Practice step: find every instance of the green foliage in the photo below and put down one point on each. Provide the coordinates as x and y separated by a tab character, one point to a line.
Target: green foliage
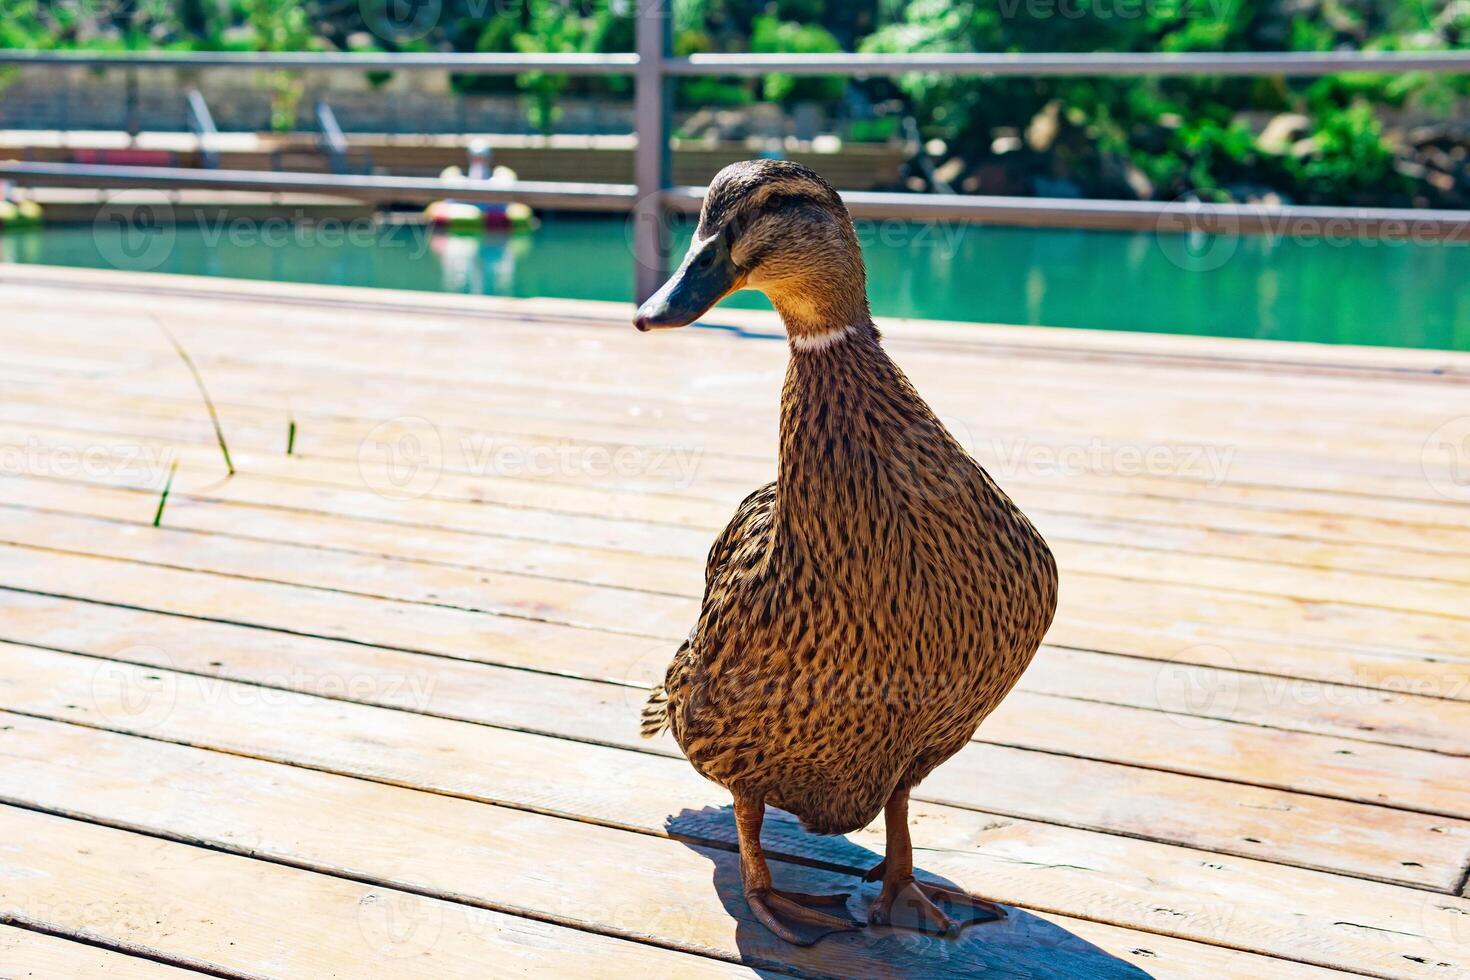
281	25
770	35
1185	134
1174	135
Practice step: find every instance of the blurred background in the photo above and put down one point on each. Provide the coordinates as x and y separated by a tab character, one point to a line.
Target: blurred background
1353	141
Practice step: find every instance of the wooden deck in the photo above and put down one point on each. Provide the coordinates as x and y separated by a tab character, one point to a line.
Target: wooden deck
370	708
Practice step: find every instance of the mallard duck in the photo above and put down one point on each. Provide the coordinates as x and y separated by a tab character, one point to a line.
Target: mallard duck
863	613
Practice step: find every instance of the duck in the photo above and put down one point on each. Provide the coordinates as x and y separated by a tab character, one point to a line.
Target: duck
865	611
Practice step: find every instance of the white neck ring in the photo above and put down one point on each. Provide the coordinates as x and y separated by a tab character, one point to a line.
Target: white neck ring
821	341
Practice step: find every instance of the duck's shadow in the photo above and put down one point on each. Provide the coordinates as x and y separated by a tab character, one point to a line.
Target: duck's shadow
1021	945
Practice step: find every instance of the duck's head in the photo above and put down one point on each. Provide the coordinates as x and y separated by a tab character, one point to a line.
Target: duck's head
775	226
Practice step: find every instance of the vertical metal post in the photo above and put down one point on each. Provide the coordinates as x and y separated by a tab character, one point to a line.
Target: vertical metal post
651	155
134	112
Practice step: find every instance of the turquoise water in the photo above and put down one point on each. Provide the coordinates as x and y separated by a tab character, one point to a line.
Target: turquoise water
1390	294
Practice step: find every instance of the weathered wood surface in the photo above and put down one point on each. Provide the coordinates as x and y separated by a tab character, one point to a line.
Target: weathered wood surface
397	708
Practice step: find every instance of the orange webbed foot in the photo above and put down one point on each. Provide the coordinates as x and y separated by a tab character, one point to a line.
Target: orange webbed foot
792	917
907	903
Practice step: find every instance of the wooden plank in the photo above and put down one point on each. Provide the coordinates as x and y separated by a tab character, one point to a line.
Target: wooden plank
373	539
1368	714
1410	483
366	333
380	310
1323	564
1379	774
1333	921
1099	522
1376	612
440	846
28	955
184	902
230	331
1022	461
1171	622
1169	525
1194	696
1081	622
1286	827
1346	770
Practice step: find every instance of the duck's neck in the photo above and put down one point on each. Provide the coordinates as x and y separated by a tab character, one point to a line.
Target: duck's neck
844	409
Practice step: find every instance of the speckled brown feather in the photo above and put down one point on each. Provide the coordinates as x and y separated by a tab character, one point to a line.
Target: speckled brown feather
865	612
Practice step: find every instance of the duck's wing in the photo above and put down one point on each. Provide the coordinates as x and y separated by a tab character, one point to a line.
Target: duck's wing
734	554
743	539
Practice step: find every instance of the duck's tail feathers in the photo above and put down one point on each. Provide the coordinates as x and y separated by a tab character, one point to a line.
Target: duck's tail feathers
655	713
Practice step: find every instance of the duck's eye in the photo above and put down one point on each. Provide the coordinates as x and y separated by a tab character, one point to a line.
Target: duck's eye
705	259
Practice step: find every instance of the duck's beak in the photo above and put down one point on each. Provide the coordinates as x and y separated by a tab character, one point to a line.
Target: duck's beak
706	276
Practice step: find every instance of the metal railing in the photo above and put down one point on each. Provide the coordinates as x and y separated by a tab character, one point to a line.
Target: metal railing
652	197
329	134
201	124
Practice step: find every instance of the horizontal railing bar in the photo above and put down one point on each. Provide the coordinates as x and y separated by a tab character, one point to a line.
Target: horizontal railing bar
1247	219
466	63
1298	63
1306	221
596	197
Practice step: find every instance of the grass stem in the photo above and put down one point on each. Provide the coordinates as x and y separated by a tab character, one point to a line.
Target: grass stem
219	432
163	499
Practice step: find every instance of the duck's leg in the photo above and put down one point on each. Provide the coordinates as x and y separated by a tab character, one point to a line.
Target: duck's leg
915	904
788	914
